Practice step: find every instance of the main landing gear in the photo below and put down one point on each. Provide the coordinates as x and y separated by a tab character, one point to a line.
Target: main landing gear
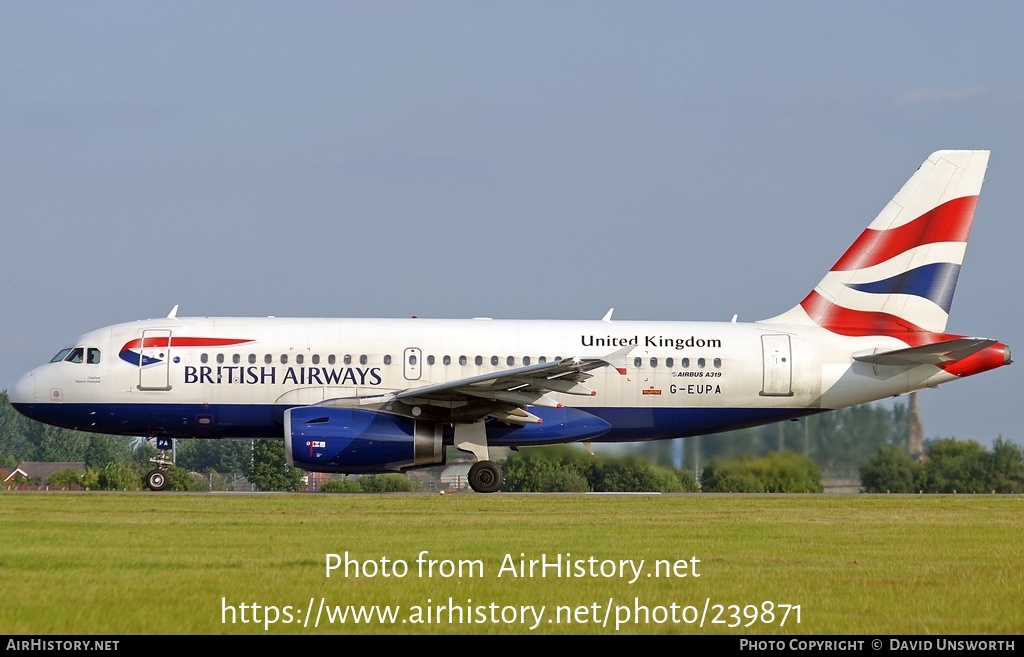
485	475
156	479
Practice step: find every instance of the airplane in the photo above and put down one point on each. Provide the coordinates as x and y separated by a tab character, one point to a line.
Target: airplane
389	395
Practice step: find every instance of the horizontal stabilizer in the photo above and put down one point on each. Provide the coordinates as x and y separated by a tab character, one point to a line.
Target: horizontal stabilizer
929	354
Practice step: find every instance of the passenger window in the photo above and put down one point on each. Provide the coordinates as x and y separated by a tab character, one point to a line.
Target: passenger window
700	362
220	358
204	358
268	359
94	356
654	362
412	359
316	359
479	360
494	360
685	362
252	359
236	359
511	360
348	359
542	359
637	362
387	360
331	359
669	362
284	359
718	363
447	360
462	361
430	360
298	359
526	360
362	360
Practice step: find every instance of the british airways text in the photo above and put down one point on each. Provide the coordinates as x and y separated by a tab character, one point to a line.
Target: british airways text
256	375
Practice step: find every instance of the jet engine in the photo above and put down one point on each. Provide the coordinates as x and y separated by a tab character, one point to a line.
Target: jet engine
350	440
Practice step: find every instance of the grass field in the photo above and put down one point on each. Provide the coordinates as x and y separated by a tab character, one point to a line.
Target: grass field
170	563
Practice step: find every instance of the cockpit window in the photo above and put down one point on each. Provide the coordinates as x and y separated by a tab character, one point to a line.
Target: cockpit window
94	356
76	355
61	355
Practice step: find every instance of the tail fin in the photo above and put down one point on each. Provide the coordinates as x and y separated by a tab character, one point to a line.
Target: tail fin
900	274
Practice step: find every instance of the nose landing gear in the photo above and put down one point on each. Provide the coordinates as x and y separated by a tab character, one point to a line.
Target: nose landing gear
156	479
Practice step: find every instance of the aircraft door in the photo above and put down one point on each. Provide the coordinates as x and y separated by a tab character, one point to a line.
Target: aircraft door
155	360
778	366
413	358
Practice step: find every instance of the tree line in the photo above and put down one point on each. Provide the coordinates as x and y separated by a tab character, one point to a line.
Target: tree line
839	442
568	469
948	466
866	441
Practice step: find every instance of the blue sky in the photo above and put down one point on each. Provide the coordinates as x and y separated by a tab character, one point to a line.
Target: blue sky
514	160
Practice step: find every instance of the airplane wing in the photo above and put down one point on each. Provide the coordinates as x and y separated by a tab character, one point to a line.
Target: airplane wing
503	395
928	354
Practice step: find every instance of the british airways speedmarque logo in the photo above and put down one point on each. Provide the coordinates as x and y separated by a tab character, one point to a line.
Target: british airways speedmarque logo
875	289
131	352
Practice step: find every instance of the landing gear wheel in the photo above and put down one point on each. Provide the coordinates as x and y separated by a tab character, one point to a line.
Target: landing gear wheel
485	477
156	480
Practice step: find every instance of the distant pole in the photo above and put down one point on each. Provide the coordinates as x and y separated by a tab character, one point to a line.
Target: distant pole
696	458
782	436
915	428
807	435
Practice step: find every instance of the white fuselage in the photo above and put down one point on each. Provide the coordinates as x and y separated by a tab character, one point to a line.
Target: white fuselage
234	377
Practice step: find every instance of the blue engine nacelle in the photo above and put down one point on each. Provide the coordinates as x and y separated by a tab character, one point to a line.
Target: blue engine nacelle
323	439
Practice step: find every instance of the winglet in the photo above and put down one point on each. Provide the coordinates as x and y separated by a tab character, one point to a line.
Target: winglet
617	359
608	315
174	312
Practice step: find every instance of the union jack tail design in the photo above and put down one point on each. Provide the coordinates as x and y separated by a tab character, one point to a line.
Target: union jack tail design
898	278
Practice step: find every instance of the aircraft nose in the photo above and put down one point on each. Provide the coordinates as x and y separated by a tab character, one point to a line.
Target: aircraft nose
24	391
